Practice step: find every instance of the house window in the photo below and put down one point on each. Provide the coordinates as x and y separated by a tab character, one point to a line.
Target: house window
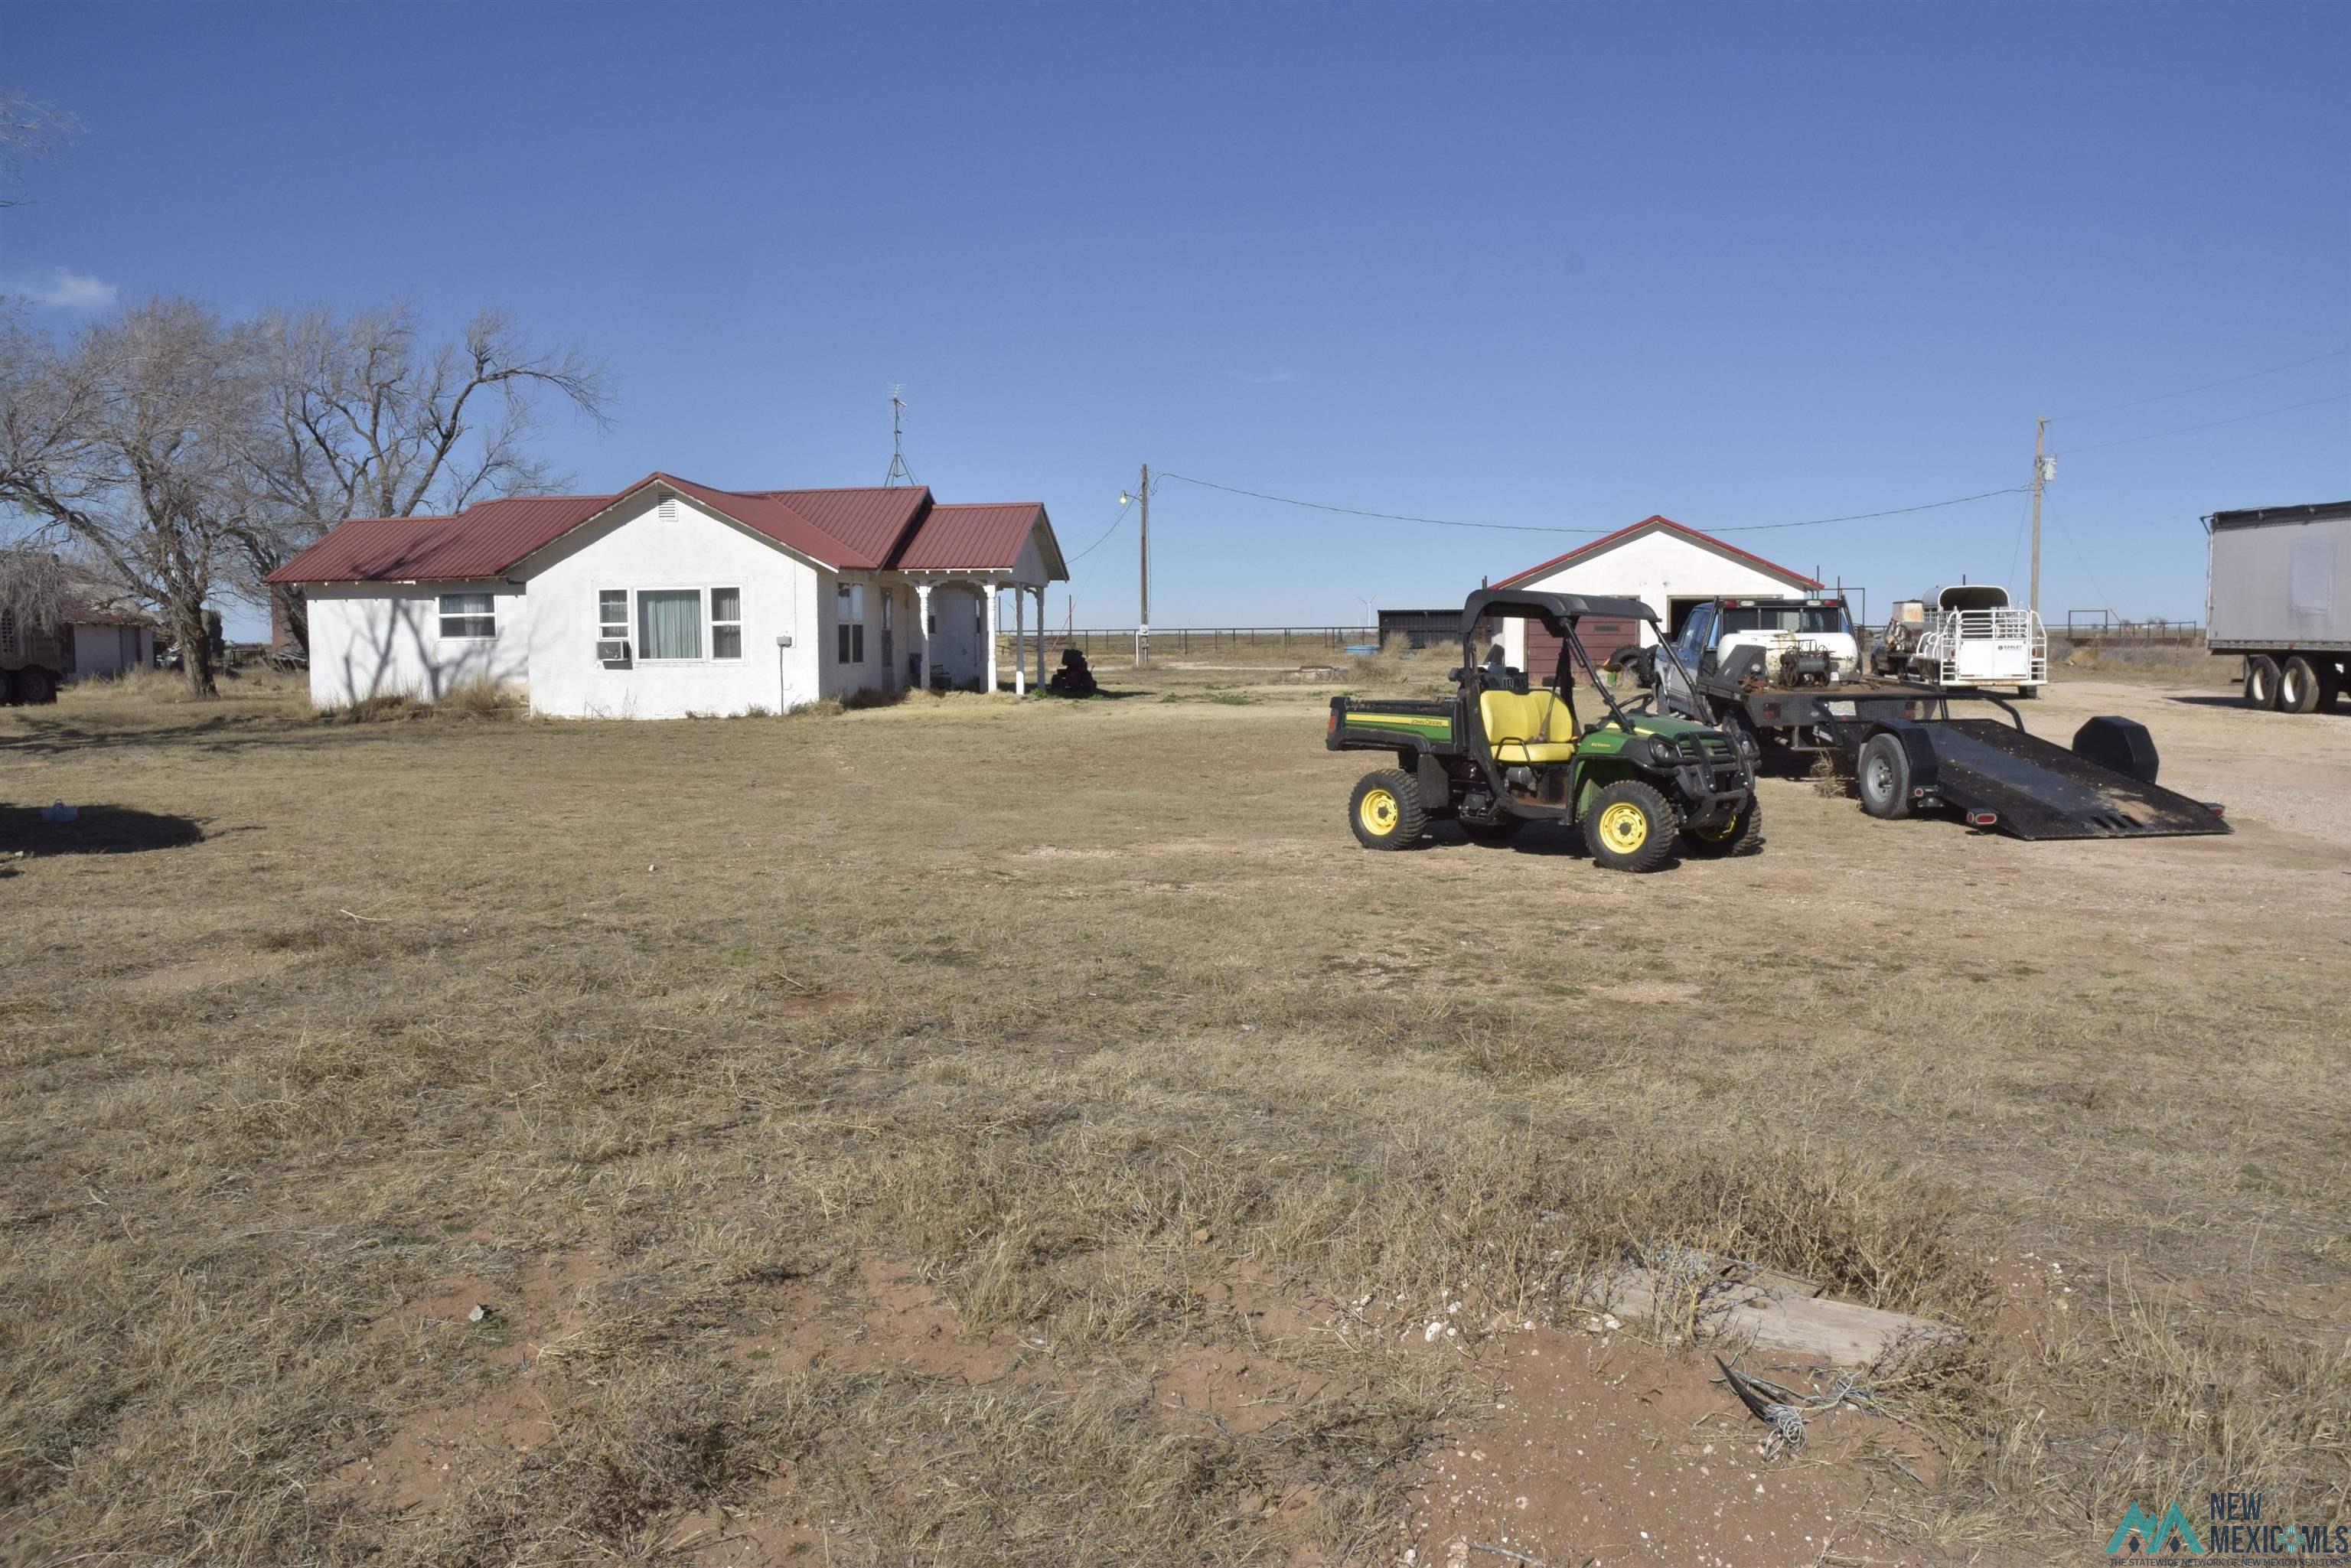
848	606
468	615
669	623
612	615
725	622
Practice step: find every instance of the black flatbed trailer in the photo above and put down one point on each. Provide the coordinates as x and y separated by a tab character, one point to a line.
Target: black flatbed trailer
1991	771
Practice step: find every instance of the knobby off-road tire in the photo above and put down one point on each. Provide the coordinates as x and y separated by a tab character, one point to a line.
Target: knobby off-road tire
1742	835
2262	683
2299	688
1631	827
1385	811
1882	776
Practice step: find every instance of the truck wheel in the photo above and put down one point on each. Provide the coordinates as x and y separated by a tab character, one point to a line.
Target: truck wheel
2261	682
1385	811
1742	835
2297	686
2026	693
1882	773
33	686
1631	827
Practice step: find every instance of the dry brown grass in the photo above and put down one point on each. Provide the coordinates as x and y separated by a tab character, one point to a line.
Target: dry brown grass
2166	662
1087	1015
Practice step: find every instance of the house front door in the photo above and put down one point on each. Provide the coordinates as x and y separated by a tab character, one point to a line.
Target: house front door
889	643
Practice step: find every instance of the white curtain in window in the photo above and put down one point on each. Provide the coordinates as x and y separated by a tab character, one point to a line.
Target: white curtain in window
669	624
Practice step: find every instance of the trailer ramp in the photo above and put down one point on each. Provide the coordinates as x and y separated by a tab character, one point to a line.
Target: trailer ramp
2038	789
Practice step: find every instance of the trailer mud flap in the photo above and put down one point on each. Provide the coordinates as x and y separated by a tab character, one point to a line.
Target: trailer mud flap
2038	790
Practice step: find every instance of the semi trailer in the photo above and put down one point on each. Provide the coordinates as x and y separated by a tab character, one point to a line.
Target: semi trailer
2274	597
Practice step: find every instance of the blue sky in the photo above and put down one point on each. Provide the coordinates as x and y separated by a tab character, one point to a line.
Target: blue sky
1555	266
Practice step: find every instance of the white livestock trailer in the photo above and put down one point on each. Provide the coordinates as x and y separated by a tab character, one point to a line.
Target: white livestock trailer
1970	635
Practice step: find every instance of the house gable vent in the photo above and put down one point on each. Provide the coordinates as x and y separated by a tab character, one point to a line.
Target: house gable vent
667	510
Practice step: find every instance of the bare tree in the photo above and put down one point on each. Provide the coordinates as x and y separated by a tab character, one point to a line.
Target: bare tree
363	420
127	441
30	129
34	587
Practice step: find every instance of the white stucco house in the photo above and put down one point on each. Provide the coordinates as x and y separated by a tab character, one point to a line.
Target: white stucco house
1667	565
671	598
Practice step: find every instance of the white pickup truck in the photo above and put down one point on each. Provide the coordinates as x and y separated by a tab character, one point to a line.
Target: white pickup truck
1970	635
1816	632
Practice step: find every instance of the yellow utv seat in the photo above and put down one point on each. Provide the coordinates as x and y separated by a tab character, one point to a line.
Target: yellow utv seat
1535	727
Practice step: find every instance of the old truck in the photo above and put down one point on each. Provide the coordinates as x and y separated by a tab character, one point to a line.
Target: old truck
2274	597
1643	785
1964	636
1795	697
32	660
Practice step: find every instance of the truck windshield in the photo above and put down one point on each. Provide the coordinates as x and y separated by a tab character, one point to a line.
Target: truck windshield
1819	619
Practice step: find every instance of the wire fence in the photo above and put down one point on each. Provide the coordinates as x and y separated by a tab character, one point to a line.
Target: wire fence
1183	642
2104	628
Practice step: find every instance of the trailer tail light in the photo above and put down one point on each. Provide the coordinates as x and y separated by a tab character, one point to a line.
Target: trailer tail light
1331	728
1983	819
2216	807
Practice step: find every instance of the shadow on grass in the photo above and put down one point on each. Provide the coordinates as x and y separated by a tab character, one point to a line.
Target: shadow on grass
45	737
95	830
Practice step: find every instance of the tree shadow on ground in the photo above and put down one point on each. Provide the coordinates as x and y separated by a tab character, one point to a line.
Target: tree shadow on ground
95	830
44	737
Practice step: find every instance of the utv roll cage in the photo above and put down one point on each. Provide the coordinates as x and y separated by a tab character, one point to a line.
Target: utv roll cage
1559	614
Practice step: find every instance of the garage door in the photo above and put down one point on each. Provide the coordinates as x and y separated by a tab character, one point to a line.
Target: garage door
1600	638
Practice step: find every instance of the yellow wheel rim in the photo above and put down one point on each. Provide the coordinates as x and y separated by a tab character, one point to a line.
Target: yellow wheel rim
1377	812
1722	834
1623	827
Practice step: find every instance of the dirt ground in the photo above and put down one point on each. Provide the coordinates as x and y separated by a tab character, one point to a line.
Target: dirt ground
975	1130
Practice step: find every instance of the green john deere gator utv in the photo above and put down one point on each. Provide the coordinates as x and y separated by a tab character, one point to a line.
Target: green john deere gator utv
1499	753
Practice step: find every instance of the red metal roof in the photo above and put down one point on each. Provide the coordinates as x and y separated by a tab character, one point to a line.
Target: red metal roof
482	541
864	528
870	522
1656	521
972	536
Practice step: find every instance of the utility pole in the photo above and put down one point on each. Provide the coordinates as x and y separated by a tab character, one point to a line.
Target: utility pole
2040	468
1142	627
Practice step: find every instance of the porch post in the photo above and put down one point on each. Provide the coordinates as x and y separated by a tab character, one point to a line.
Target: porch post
1020	642
987	592
922	628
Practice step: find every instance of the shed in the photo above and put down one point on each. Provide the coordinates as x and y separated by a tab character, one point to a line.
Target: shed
1422	628
1670	566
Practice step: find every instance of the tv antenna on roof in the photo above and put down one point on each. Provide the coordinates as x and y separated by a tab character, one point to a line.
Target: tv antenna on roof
899	473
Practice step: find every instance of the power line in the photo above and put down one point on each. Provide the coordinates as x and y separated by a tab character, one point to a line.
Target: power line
2208	424
1530	529
1387	517
1891	512
2205	386
1105	535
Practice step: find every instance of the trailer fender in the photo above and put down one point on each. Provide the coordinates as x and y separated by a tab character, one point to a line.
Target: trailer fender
2120	745
1918	746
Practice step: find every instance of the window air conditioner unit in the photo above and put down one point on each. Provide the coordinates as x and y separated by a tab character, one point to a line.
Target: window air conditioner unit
612	652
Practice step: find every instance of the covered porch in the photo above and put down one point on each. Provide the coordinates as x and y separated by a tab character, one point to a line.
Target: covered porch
959	628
